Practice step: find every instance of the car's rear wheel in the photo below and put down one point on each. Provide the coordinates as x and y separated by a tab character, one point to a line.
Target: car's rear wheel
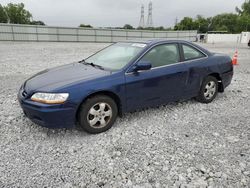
97	114
208	90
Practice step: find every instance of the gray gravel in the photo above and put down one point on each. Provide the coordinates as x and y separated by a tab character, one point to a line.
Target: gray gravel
185	144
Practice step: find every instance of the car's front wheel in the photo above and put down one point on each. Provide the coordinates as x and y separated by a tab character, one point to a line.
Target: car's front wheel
97	114
208	90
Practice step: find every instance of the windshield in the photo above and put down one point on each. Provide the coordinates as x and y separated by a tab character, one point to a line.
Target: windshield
116	56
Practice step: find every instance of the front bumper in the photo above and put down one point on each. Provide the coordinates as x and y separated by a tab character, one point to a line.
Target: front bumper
50	116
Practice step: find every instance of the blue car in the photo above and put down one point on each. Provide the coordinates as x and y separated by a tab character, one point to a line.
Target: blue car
123	77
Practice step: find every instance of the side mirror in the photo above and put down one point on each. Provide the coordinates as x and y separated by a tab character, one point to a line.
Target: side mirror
142	65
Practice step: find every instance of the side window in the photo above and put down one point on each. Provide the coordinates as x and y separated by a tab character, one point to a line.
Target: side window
161	55
191	53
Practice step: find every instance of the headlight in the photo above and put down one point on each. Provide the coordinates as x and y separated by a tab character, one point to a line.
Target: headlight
50	98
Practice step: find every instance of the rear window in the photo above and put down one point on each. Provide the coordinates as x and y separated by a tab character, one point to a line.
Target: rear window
191	53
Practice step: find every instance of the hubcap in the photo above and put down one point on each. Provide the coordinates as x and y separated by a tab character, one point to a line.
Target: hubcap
210	90
99	115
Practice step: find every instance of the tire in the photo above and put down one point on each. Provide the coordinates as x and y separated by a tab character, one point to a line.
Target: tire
208	90
97	114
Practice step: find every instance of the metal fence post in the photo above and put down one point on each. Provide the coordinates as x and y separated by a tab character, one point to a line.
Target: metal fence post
57	34
13	35
36	33
77	34
111	35
95	36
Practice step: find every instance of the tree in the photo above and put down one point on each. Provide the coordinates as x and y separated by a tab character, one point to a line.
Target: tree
244	22
17	14
186	24
140	28
127	26
3	16
202	24
228	22
244	16
83	25
245	8
37	23
232	23
225	22
160	28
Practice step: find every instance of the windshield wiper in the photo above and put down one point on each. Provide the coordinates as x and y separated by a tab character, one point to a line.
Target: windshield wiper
81	61
92	64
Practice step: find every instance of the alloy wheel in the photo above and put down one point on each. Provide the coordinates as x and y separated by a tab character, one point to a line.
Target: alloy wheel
210	90
99	115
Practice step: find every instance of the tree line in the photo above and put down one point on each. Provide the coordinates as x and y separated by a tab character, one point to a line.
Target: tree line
227	22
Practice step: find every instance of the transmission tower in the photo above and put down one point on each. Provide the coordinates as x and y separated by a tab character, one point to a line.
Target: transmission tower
176	21
150	17
141	24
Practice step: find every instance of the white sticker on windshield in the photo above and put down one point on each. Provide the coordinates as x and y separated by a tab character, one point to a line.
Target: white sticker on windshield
140	45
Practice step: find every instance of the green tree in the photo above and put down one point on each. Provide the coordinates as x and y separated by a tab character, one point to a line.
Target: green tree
232	23
243	22
37	23
160	28
17	13
202	23
3	16
127	26
245	8
186	23
244	16
225	22
85	25
140	28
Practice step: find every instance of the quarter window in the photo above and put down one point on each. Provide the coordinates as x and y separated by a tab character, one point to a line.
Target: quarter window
191	53
161	55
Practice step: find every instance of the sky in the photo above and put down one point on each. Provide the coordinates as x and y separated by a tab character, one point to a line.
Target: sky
117	13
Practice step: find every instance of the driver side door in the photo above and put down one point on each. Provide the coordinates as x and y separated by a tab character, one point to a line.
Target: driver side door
164	82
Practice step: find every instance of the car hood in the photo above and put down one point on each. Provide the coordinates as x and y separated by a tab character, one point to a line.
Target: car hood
58	77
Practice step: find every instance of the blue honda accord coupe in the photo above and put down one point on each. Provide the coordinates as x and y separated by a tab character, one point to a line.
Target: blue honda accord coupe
123	77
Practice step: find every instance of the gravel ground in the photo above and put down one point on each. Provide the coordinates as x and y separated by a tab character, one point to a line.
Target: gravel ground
185	144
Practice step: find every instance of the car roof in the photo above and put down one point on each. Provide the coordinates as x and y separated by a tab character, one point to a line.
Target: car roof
153	41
